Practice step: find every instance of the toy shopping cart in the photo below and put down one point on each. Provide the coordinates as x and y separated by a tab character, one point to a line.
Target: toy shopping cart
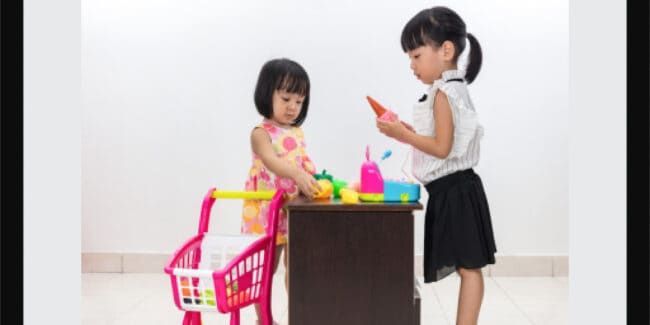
226	273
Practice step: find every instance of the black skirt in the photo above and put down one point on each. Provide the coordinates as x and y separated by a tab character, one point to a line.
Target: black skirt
457	226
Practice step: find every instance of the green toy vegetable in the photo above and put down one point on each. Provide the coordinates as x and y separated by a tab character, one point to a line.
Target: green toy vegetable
324	175
338	185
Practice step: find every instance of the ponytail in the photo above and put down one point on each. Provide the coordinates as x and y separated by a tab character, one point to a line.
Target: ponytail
436	25
475	58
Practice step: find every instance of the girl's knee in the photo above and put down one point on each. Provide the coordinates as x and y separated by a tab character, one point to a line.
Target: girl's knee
463	272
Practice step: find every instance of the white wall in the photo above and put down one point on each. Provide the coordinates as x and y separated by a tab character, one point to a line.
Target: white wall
167	108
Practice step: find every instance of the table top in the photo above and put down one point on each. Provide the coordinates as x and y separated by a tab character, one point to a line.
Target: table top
301	203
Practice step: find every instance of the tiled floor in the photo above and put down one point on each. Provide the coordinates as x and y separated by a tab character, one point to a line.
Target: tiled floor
136	298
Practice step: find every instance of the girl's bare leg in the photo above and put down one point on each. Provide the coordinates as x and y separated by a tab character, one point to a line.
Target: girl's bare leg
278	251
470	296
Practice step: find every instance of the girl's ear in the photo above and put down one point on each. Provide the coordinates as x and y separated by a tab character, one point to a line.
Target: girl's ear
448	50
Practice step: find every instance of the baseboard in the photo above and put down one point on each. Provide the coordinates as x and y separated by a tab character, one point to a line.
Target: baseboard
506	265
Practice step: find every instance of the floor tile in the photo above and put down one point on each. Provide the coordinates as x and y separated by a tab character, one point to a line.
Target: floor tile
146	298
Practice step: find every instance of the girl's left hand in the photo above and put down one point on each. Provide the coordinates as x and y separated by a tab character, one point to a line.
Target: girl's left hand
394	129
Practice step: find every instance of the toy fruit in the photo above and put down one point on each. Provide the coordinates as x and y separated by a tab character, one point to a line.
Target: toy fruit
234	287
326	189
354	185
349	196
324	175
338	185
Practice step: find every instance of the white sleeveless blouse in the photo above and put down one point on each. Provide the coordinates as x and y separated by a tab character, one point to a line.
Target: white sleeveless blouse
468	132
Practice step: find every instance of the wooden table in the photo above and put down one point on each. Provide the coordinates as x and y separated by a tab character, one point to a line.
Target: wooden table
351	264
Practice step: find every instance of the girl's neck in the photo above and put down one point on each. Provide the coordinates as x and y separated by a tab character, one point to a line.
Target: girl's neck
449	68
283	126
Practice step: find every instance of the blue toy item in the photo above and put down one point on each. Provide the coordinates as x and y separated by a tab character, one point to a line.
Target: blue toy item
386	154
395	191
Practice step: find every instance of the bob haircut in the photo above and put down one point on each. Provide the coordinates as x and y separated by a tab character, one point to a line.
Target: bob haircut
281	74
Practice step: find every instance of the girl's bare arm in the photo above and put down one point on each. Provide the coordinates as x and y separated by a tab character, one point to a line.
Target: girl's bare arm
440	144
262	147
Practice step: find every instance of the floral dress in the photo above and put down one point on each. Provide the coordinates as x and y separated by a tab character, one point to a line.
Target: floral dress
289	145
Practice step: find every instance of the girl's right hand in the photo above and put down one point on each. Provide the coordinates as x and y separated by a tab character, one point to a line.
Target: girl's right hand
307	184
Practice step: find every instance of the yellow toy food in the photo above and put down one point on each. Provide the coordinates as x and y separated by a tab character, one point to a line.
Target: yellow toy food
349	196
326	189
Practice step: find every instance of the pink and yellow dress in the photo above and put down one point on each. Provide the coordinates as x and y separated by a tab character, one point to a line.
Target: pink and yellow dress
289	144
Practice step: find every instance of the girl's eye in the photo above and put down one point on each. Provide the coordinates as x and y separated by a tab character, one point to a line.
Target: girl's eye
286	99
299	102
416	56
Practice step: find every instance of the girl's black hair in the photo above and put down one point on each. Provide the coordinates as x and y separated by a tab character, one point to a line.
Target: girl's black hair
438	24
281	74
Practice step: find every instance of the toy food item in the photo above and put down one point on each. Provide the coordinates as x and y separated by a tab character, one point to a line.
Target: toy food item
338	185
383	113
349	196
326	189
324	175
379	110
355	186
234	287
388	116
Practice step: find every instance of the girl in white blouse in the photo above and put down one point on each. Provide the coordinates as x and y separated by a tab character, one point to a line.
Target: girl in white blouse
445	137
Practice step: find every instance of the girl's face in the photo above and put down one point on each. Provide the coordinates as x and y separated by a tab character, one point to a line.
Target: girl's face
286	107
428	62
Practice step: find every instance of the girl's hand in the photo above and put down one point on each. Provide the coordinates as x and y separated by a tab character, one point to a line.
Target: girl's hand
306	183
408	126
395	129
